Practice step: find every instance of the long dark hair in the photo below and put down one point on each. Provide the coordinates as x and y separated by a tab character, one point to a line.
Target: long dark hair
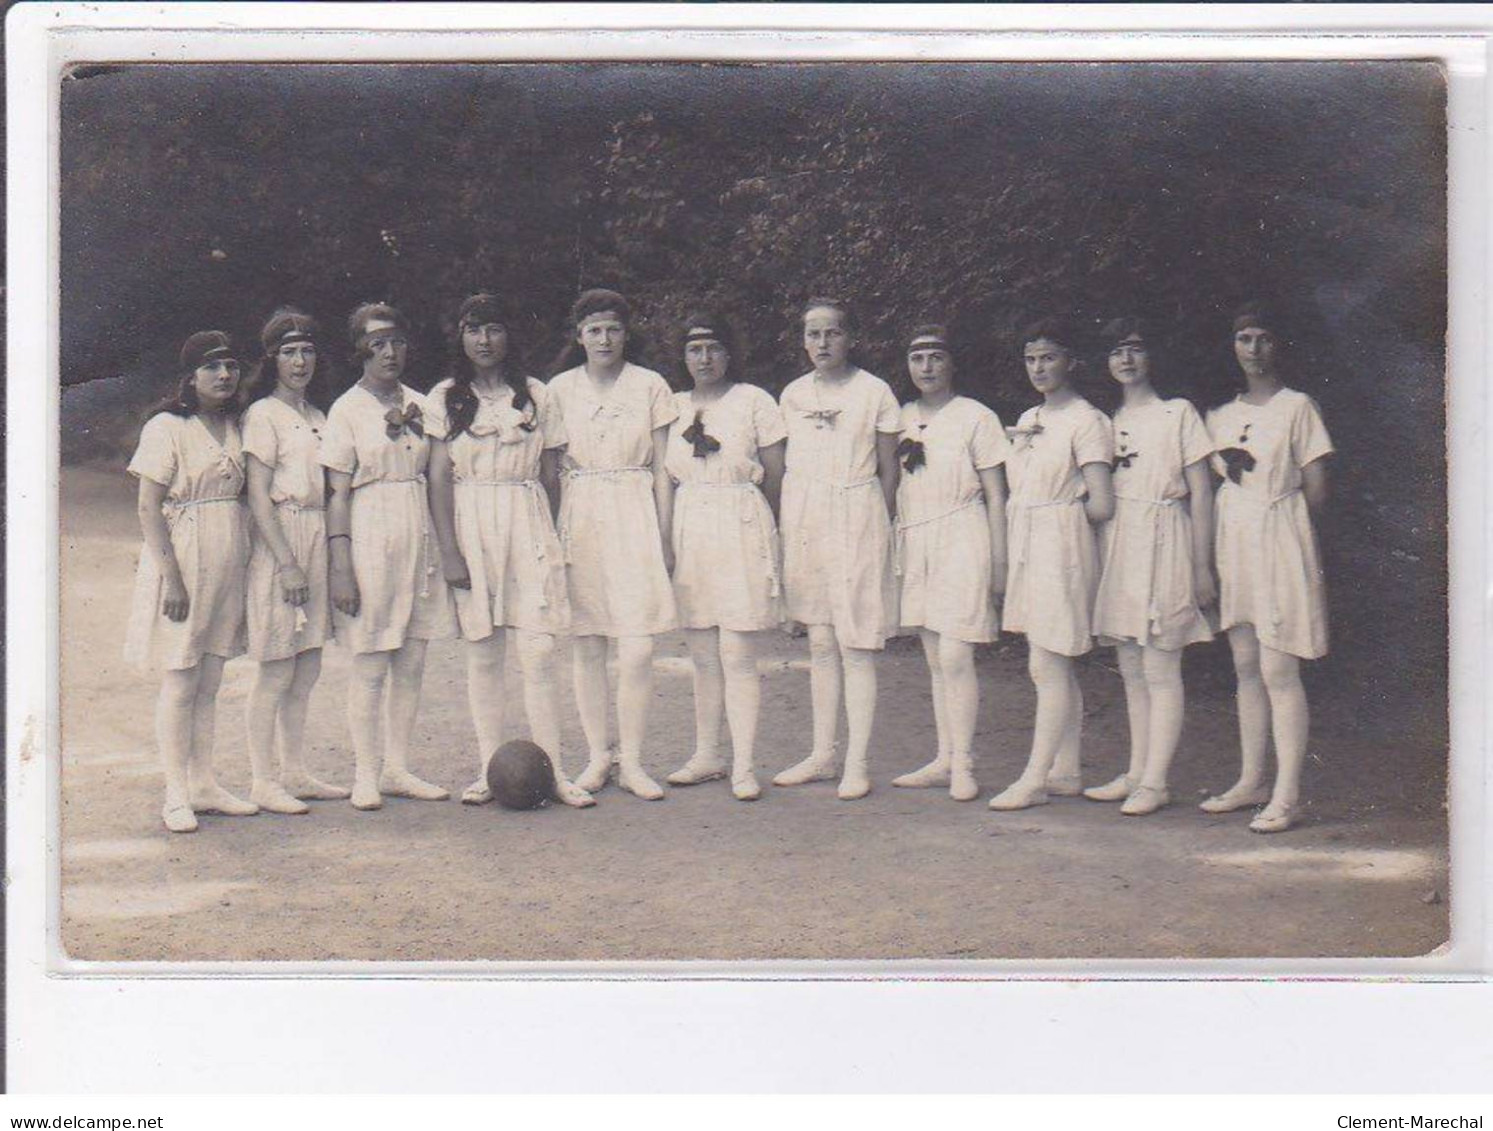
182	401
265	373
461	401
597	300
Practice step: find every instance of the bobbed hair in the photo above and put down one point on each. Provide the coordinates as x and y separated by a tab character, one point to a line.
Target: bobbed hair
1054	328
357	326
725	333
848	321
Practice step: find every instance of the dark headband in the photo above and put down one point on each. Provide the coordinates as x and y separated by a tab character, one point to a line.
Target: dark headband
701	334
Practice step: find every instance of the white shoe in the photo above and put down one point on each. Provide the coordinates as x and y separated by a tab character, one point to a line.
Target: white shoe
271	797
307	788
478	793
962	784
1116	790
594	777
700	768
816	767
402	783
1018	795
178	817
1064	785
1274	818
568	793
1236	798
935	773
1145	800
216	799
631	777
855	784
365	795
744	786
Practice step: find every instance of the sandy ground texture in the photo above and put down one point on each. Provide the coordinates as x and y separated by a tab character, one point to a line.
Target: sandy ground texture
797	875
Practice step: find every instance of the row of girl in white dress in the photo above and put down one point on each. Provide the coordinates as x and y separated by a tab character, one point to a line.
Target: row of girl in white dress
398	518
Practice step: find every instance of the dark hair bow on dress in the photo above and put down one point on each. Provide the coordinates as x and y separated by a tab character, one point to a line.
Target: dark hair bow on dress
395	421
1238	460
911	453
822	417
704	443
1123	457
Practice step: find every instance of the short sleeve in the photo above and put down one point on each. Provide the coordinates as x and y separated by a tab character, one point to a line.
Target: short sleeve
767	419
1195	442
988	445
888	411
434	412
260	439
1093	440
1309	439
551	420
156	457
661	408
339	450
1214	425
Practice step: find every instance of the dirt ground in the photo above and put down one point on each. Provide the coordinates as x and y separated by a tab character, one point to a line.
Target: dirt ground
798	875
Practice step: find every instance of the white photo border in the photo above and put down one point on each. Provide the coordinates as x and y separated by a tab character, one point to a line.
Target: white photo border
60	1009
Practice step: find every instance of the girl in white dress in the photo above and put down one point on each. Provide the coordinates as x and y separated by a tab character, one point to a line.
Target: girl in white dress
614	529
725	457
1272	449
1157	555
389	596
496	440
839	491
187	616
289	615
950	549
1060	488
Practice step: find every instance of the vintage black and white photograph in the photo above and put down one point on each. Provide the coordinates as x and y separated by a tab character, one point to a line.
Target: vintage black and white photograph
585	512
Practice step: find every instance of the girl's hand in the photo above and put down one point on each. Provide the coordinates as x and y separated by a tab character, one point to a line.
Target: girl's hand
294	586
454	568
345	597
1204	588
175	603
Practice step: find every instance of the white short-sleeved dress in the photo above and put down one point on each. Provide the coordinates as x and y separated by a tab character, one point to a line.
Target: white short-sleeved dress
726	552
1054	563
1146	591
1269	568
837	535
503	522
396	559
288	442
609	529
209	525
943	528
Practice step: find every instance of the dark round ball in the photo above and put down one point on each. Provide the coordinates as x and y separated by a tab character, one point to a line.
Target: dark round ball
520	775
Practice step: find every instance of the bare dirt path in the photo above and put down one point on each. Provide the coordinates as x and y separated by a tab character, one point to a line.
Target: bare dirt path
797	875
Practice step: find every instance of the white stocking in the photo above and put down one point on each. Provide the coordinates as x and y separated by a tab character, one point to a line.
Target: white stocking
204	720
1254	708
634	691
365	694
290	728
1292	721
1162	671
860	702
705	648
485	694
1137	706
174	711
940	700
272	681
743	697
402	702
589	659
825	684
1052	673
536	657
961	694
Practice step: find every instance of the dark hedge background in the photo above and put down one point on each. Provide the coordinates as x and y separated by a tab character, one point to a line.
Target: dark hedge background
196	196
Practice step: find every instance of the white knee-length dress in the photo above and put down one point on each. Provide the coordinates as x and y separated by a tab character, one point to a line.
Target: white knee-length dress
209	526
288	442
837	535
1054	563
396	559
1269	568
1146	593
942	551
503	521
609	528
727	566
